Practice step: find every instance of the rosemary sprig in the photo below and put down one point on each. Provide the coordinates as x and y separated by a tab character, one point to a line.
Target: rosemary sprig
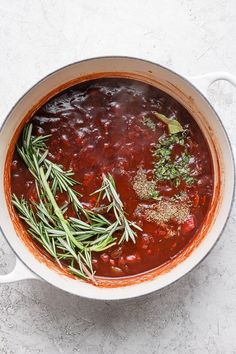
41	232
71	240
36	228
34	153
108	191
65	235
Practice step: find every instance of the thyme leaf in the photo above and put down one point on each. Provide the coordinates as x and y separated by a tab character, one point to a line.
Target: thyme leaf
148	122
165	168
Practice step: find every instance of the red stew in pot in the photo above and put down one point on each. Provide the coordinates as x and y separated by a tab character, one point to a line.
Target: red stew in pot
144	173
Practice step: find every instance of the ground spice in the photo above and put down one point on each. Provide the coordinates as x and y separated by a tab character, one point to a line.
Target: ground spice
167	210
144	188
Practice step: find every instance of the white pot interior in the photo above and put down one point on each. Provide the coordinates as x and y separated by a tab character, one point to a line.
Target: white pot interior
206	118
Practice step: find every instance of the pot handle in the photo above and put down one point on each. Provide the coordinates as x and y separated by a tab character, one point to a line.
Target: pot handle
20	272
205	80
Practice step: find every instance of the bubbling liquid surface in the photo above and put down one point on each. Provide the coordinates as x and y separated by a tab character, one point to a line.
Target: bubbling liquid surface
98	127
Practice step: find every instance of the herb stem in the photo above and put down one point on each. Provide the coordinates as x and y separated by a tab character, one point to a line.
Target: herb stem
63	221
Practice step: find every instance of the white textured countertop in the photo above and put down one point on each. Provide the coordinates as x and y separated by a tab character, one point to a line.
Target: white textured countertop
197	314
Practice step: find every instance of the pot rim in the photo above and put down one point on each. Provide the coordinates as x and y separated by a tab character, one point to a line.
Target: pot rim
216	116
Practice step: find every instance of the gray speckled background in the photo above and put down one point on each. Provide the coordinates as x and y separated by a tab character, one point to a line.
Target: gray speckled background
195	315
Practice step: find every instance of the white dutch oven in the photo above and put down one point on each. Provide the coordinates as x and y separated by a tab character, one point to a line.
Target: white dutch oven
29	266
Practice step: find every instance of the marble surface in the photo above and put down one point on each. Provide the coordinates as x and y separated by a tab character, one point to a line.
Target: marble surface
195	315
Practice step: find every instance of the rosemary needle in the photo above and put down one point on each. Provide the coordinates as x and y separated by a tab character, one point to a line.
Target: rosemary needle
108	190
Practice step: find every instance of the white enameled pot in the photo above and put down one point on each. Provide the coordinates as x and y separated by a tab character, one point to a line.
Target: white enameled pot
29	266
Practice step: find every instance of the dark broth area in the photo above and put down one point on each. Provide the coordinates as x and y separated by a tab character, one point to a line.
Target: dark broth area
97	127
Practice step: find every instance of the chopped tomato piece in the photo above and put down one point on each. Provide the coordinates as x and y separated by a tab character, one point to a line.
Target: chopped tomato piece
196	200
188	225
105	257
121	261
133	258
117	271
112	262
162	233
203	200
92	202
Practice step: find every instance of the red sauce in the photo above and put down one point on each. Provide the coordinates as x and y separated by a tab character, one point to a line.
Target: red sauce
97	127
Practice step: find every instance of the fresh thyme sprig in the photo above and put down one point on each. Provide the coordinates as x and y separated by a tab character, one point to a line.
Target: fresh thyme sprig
108	191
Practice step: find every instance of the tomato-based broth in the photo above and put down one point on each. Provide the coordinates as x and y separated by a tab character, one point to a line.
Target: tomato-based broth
150	149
